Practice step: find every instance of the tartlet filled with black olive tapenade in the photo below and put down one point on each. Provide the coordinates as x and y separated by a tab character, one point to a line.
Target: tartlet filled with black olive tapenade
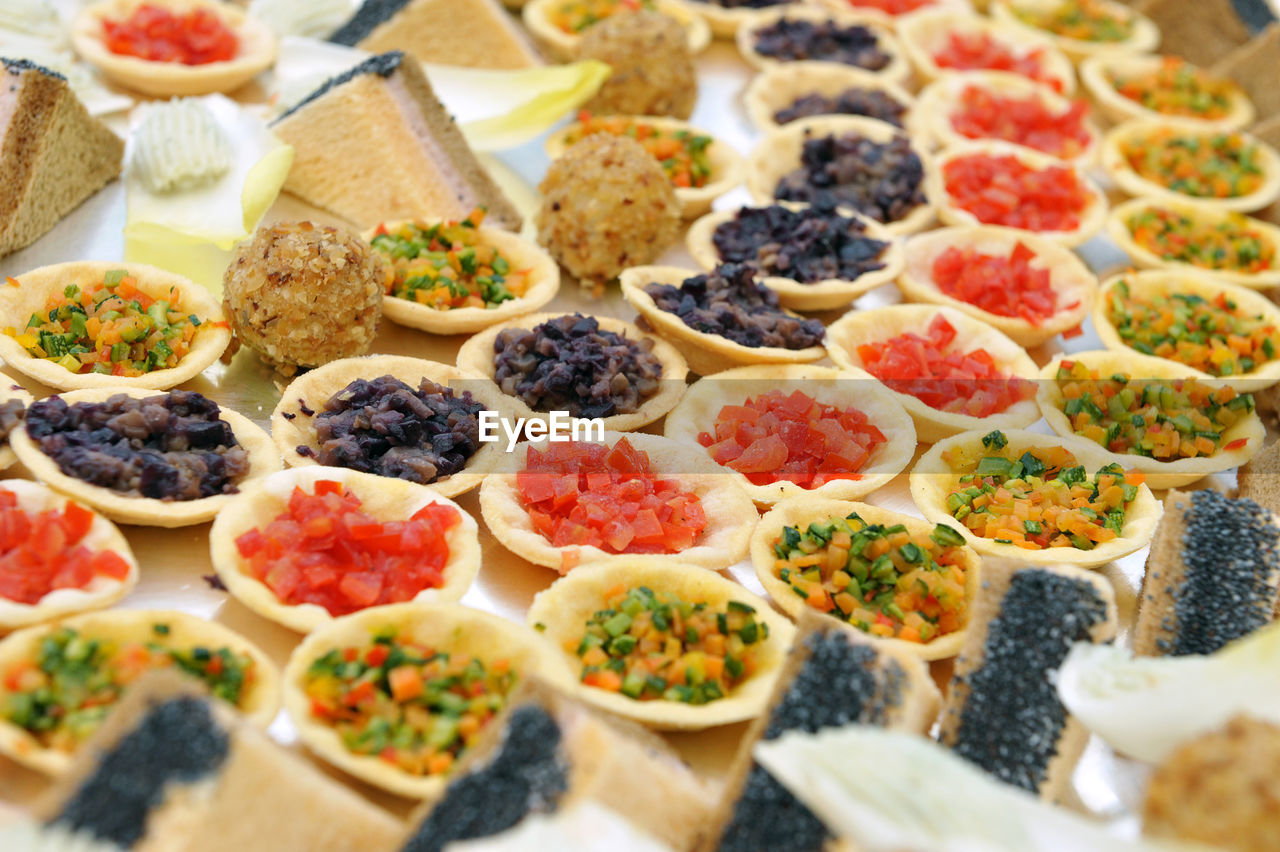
792	91
390	415
721	319
860	163
589	367
816	257
799	33
140	457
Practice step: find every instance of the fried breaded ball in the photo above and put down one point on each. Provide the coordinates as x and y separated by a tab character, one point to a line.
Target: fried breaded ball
302	295
1222	789
606	205
653	71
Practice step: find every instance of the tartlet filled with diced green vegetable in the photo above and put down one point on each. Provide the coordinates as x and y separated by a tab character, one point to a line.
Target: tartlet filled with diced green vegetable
109	324
1039	499
895	577
458	277
1170	422
669	645
395	695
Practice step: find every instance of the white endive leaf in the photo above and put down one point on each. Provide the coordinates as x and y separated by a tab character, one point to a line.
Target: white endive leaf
887	791
586	827
495	109
191	232
1146	707
311	18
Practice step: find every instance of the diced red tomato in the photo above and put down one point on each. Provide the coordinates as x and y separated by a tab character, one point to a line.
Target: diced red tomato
791	437
195	37
1005	286
44	551
581	495
978	51
1029	121
325	551
1002	190
941	377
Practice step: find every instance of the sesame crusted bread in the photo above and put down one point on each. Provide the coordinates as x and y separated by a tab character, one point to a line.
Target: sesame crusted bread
172	770
1213	575
53	154
834	676
374	144
548	752
1002	711
472	33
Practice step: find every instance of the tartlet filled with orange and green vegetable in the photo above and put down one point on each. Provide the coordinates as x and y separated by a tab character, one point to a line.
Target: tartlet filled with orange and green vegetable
1169	88
457	277
1026	286
565	503
397	694
1193	320
311	544
1037	498
1230	170
1151	415
99	324
700	167
1081	28
1165	233
59	681
665	644
892	576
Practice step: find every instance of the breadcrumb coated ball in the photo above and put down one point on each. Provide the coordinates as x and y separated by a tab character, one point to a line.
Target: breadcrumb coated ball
606	205
1222	789
653	71
302	295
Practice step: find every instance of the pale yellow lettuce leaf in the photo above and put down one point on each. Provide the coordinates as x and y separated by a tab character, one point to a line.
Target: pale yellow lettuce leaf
192	232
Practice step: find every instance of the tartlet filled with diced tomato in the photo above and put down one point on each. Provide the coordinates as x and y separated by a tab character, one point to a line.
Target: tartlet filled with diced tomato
311	544
1168	88
665	644
996	183
57	557
949	371
91	324
459	276
396	695
1026	286
59	681
1151	415
1010	108
700	167
164	48
1184	235
942	42
1081	28
1194	320
1227	169
564	503
787	431
1039	499
892	576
